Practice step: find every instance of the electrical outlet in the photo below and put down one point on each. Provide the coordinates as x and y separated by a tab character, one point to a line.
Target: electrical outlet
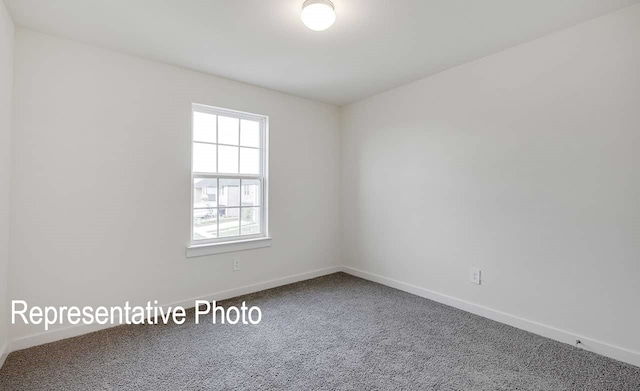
236	264
474	275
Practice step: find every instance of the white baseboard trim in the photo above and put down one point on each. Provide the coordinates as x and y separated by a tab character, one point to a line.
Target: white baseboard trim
590	344
550	332
3	354
74	331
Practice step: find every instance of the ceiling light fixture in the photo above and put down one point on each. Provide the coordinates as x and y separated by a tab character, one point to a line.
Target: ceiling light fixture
318	15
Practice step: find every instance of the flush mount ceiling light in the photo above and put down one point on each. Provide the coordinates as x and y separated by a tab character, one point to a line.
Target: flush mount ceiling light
318	15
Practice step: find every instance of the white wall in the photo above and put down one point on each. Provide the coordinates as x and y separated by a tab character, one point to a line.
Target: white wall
101	180
6	90
525	164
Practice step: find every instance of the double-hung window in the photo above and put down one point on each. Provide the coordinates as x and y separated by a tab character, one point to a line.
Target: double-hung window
229	177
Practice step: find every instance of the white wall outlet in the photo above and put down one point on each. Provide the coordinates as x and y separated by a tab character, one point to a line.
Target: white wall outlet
236	264
474	275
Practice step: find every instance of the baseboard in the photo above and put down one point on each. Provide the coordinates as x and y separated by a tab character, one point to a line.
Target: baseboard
563	336
74	331
4	352
550	332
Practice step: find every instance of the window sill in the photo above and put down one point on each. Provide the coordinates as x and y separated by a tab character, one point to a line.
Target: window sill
199	250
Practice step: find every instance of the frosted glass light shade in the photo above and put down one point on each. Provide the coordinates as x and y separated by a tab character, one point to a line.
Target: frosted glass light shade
318	15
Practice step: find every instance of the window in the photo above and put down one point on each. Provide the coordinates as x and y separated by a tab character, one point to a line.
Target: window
229	166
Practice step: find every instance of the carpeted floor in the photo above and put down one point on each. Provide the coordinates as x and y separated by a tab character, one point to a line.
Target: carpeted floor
332	333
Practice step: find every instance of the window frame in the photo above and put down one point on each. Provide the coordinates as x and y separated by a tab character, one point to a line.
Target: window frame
253	240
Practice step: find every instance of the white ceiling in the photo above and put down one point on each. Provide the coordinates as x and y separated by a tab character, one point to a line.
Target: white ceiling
374	46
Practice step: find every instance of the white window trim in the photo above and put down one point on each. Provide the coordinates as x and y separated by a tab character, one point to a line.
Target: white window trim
198	248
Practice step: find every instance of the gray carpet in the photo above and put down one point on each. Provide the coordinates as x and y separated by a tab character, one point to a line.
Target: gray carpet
332	333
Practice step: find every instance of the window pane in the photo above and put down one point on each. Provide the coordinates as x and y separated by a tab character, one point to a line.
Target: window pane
249	133
205	193
249	161
204	127
250	192
229	222
228	160
228	130
250	221
205	224
204	157
229	192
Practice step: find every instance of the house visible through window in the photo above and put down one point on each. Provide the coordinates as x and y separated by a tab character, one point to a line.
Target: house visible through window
229	176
